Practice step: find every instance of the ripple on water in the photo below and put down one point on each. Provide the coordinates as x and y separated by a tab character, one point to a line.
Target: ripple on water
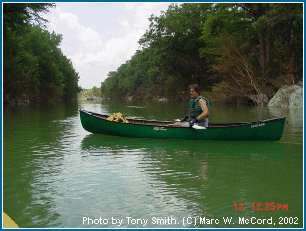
65	174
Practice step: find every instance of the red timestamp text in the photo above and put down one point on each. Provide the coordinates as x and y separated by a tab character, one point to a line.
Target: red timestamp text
261	206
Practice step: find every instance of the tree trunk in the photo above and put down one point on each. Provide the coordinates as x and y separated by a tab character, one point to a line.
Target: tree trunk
264	46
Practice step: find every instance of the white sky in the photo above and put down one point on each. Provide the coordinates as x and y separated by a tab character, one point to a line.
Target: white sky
99	37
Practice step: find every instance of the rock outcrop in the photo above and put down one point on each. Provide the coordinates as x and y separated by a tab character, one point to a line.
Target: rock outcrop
296	99
288	96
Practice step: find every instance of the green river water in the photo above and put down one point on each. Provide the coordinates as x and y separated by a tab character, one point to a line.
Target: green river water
57	175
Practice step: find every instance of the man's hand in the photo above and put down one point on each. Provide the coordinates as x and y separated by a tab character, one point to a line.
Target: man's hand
184	118
193	121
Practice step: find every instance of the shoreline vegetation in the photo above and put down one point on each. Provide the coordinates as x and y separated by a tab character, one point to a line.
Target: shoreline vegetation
238	52
289	96
34	68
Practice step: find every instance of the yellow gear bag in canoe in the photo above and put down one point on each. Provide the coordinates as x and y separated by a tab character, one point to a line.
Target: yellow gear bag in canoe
117	117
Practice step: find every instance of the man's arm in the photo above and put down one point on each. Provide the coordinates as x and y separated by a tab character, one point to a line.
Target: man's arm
204	108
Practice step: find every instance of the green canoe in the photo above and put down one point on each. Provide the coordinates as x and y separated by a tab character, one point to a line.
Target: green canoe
270	129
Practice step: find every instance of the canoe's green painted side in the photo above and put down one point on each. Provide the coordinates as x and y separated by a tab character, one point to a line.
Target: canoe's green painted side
262	130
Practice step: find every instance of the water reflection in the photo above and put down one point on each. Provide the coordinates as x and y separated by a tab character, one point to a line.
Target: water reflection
32	161
206	176
266	150
294	127
60	173
203	169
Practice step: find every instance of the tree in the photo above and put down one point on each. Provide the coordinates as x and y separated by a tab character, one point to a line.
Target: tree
250	48
176	35
34	67
261	42
20	14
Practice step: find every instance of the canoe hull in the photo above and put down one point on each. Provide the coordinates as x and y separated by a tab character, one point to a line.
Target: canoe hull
270	130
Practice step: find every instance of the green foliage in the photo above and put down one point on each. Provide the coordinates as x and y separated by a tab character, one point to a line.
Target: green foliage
93	92
132	78
34	66
222	93
269	49
20	14
233	50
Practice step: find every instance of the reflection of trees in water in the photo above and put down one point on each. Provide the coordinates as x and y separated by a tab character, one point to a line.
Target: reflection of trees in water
33	161
203	169
208	176
212	179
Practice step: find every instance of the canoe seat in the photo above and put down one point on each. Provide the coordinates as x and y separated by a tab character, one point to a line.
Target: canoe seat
117	117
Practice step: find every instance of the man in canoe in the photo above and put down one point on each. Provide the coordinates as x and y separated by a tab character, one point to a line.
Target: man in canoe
198	109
